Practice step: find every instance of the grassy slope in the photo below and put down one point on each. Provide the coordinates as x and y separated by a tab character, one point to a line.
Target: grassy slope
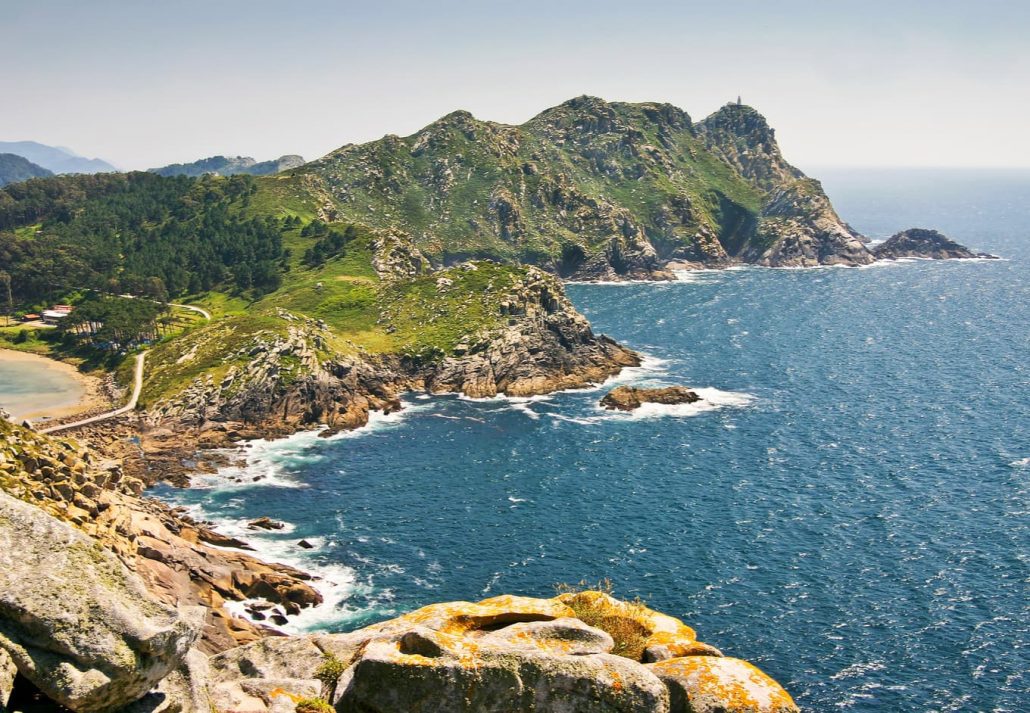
396	181
362	312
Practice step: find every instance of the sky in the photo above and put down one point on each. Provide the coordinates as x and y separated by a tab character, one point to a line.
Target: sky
143	83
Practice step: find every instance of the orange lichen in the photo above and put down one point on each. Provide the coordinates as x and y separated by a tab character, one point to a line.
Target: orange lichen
714	683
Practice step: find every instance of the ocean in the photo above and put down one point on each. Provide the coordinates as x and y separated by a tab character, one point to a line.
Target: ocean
849	509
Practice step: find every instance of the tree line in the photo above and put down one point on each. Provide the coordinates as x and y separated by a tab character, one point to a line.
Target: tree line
136	233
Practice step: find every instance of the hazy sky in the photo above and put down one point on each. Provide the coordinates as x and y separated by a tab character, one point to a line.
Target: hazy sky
148	82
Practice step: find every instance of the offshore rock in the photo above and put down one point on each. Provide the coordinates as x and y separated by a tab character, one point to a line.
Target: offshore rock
75	621
628	398
919	242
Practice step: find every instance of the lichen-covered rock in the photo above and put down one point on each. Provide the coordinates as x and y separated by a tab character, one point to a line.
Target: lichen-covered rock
919	242
435	673
505	654
709	684
7	673
75	621
628	398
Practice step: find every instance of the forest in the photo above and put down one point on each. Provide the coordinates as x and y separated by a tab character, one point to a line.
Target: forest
136	233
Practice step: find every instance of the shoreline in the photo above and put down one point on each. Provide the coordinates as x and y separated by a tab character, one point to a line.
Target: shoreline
92	394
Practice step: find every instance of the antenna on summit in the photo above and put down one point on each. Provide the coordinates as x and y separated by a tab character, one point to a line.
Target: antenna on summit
739	103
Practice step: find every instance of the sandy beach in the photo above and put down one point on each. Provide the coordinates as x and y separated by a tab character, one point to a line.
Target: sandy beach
42	389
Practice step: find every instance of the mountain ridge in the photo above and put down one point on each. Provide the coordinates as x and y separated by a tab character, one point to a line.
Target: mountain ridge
591	189
56	159
229	166
14	168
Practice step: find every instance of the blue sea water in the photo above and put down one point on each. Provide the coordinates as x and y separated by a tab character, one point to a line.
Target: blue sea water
851	512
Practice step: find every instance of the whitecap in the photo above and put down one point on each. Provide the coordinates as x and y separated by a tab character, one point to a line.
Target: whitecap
711	400
1020	463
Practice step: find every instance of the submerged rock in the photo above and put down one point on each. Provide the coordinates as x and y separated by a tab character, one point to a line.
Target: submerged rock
75	622
265	523
628	398
919	242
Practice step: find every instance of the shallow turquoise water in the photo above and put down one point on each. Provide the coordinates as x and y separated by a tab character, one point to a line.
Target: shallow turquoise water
30	386
854	516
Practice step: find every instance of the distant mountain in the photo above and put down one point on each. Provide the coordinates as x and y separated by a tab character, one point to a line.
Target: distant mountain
56	159
14	168
229	166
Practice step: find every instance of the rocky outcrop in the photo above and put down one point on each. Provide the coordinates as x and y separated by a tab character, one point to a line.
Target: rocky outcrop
505	654
546	346
395	256
180	561
628	398
922	243
799	228
75	621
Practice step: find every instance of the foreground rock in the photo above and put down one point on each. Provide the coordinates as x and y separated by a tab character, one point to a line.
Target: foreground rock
919	242
74	621
628	398
180	561
504	655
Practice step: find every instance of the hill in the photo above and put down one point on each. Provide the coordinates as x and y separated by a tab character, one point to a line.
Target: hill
230	166
591	189
56	159
14	168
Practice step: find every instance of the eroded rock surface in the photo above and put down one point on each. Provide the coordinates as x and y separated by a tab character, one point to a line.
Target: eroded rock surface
506	654
75	621
179	560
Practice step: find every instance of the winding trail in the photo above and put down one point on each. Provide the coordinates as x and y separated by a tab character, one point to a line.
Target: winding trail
199	310
137	386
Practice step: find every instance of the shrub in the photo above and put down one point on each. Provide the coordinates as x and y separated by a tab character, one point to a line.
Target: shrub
620	622
313	705
329	674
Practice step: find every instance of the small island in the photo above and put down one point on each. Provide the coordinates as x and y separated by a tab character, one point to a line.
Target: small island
629	398
923	243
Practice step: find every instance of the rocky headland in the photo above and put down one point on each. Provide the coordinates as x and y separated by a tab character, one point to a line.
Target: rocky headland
923	243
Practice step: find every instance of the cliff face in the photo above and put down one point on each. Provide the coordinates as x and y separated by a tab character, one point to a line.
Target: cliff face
292	377
179	561
594	190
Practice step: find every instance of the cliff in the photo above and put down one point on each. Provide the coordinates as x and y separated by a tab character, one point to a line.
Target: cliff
180	562
594	190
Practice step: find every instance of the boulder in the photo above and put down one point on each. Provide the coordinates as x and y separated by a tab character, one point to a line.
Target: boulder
628	398
75	621
711	684
8	671
506	654
920	242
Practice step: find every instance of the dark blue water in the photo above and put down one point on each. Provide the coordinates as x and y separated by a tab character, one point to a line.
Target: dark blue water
854	516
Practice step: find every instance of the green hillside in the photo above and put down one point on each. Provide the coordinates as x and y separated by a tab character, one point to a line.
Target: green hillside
589	189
